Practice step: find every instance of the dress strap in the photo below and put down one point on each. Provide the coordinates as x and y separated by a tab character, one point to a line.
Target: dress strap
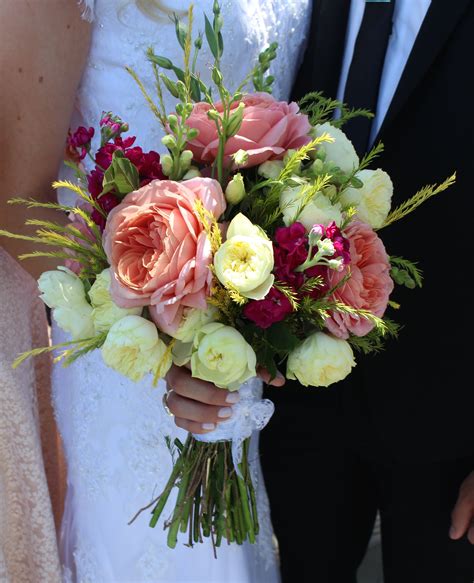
87	9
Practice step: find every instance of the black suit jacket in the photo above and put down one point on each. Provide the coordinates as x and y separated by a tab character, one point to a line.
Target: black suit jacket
416	400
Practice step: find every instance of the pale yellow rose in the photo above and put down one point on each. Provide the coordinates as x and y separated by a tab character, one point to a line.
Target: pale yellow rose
64	293
245	261
341	151
222	356
374	200
320	361
318	211
105	311
133	348
193	320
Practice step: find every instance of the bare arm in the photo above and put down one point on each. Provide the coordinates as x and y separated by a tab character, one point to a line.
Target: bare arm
43	48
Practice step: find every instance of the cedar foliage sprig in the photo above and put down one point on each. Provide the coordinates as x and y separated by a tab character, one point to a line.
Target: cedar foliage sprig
418	199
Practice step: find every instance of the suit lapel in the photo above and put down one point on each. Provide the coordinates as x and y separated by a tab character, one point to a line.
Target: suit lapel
323	58
435	31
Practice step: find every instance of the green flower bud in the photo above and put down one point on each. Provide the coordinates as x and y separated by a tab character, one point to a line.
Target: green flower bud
235	120
168	141
216	76
193	172
198	42
167	164
173	120
185	159
170	85
192	133
213	114
241	157
235	191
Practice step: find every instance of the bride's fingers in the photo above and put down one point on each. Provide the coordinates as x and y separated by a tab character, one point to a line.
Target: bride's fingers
190	410
181	381
193	427
278	381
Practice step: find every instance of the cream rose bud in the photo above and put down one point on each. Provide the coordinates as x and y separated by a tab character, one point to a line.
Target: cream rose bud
64	292
133	348
222	356
245	261
341	152
318	211
320	361
235	191
374	200
105	312
193	320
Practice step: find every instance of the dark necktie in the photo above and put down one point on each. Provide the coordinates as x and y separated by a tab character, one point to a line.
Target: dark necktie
363	81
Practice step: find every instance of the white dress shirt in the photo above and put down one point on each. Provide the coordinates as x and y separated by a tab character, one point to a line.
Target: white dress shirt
408	17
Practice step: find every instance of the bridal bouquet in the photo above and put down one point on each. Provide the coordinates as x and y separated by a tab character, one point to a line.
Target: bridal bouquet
254	242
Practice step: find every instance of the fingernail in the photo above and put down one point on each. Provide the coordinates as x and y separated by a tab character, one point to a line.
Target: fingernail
279	376
452	532
233	398
208	426
224	412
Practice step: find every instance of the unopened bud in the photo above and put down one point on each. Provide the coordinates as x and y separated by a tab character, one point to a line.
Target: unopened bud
168	141
235	191
193	172
241	157
336	264
326	247
316	234
213	114
185	159
166	164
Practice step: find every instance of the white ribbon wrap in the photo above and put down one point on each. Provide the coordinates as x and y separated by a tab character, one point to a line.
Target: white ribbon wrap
249	414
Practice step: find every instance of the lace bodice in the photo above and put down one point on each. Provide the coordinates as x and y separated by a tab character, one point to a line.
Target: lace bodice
122	33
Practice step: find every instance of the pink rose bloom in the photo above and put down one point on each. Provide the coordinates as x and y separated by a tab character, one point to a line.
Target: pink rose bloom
370	285
158	250
269	128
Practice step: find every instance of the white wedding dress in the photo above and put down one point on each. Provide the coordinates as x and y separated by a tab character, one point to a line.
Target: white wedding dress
113	429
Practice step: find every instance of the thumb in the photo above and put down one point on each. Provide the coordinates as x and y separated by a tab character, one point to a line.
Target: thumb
460	519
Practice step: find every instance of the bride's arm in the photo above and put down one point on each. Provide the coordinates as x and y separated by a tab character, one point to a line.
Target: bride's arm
43	49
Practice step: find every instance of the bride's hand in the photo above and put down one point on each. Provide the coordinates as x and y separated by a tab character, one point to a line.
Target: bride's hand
197	405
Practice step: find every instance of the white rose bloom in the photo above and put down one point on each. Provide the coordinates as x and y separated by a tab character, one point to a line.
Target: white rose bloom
320	361
222	356
341	152
105	311
374	200
133	348
64	293
245	261
193	320
318	211
271	169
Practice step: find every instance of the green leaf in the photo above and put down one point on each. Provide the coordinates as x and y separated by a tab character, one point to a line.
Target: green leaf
266	359
211	38
162	62
121	176
280	337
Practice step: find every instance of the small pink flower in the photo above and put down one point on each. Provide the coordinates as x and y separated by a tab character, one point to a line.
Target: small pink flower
269	128
369	286
79	142
158	250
